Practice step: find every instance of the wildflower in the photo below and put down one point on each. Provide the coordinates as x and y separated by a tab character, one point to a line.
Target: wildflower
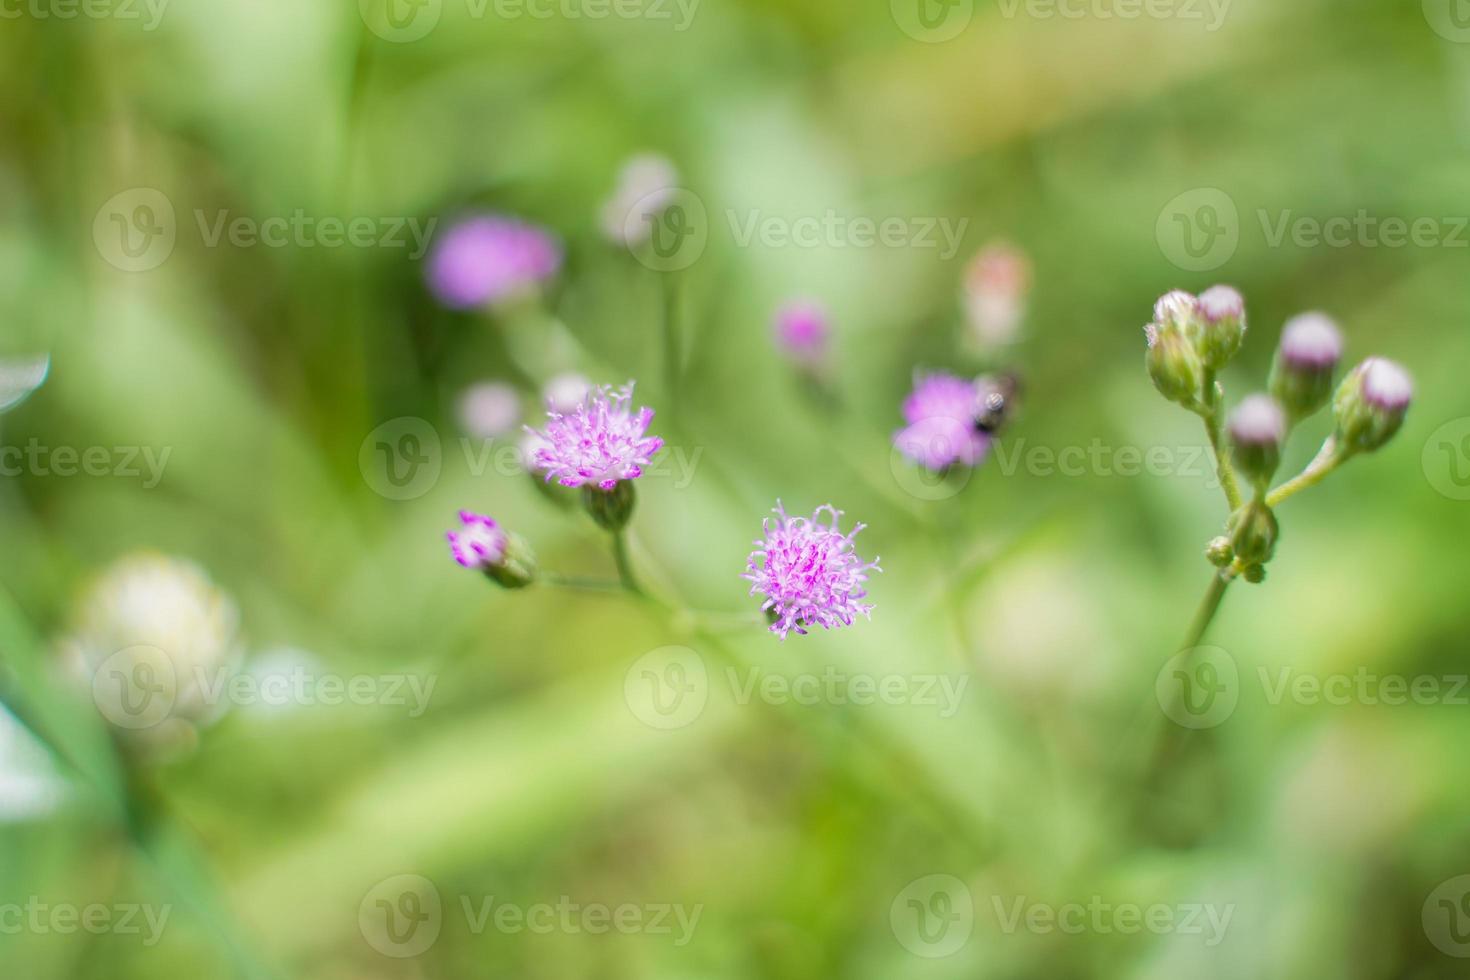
1257	429
1371	403
941	431
1301	375
808	572
152	638
600	442
488	258
646	186
489	410
802	332
1221	318
997	282
1172	363
483	545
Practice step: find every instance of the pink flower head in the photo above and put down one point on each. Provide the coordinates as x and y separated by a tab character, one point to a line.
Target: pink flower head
802	329
599	442
488	257
941	431
479	544
808	572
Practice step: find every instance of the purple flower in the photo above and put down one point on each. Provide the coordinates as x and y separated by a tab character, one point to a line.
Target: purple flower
802	329
599	442
808	572
940	413
1257	421
1386	385
488	257
1311	342
481	542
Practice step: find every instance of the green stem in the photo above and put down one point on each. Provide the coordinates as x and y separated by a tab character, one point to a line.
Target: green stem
1210	412
1327	459
625	566
1208	607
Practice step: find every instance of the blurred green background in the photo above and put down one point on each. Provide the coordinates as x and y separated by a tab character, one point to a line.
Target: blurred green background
804	837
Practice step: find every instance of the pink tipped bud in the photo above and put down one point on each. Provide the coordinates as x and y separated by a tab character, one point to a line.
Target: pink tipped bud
484	546
1222	325
1371	403
1257	429
1301	377
802	330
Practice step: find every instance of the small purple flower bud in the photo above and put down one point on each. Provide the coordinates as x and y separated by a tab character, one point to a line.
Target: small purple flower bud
1253	534
1178	310
1222	325
1173	364
488	258
808	572
1301	376
481	544
802	332
1371	404
1257	429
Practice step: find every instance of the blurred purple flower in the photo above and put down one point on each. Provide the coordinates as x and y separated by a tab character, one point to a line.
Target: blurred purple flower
600	442
481	543
808	572
802	331
941	431
486	258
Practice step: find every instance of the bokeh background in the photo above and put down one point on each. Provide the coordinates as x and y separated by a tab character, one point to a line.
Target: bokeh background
806	838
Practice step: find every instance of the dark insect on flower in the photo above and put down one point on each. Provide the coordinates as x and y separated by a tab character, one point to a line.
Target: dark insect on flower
997	396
